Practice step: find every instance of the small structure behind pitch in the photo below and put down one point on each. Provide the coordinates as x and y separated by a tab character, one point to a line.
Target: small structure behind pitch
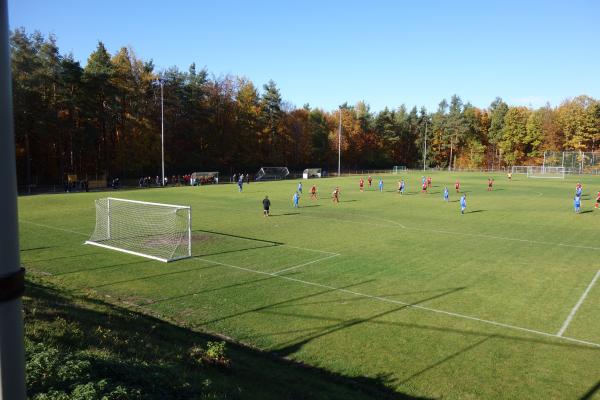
158	231
310	173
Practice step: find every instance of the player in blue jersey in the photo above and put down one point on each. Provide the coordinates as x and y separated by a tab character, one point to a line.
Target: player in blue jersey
578	189
240	182
446	194
401	186
463	203
380	184
296	199
577	204
300	187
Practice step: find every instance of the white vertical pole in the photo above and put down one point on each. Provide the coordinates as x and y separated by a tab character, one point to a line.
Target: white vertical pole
340	143
12	355
544	159
425	151
190	231
108	217
162	133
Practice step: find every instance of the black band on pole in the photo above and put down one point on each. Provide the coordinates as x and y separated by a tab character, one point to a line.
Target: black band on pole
12	286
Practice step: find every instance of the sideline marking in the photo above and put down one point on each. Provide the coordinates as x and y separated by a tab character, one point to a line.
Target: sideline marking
54	227
386	300
305	264
383	299
579	303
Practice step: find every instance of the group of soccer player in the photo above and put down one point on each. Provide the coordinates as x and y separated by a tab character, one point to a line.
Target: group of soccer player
426	184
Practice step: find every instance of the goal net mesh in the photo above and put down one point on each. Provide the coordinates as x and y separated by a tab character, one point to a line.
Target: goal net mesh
272	173
153	230
398	168
546	172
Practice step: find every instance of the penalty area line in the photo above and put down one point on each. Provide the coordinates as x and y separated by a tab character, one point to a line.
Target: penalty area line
409	305
305	264
54	228
579	303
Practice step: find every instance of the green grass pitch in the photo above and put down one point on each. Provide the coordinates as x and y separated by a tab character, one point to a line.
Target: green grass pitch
403	288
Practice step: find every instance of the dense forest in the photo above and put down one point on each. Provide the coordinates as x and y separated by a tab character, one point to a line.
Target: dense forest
103	120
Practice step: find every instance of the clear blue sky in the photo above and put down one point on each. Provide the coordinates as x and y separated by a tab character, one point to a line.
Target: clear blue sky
328	52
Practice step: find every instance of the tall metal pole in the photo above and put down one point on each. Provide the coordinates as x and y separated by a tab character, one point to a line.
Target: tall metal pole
425	151
162	132
12	355
340	144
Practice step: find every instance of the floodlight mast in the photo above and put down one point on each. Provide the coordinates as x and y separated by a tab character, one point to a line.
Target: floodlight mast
12	355
161	83
425	151
340	143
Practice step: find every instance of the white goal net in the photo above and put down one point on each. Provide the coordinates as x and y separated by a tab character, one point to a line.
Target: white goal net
520	169
546	172
153	230
398	168
272	173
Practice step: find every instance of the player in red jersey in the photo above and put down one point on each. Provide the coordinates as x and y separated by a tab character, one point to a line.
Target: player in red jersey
361	183
370	180
597	199
336	195
490	184
457	186
313	192
428	182
424	187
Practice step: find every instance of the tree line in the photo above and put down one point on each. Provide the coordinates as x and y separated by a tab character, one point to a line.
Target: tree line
104	120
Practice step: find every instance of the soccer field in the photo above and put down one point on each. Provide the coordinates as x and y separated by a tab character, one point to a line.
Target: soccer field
502	302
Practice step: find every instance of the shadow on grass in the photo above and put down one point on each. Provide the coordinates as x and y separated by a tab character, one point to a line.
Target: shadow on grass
235	251
590	393
36	248
586	211
476	211
284	214
103	267
237	236
312	205
294	347
152	358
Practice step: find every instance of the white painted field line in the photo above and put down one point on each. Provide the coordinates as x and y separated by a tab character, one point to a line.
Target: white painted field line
307	249
305	264
579	303
55	228
383	299
386	300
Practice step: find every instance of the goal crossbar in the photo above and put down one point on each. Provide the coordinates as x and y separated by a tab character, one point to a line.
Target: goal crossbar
149	203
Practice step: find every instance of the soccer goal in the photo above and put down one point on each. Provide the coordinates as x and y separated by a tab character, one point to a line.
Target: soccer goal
520	169
546	172
398	168
311	173
158	231
272	173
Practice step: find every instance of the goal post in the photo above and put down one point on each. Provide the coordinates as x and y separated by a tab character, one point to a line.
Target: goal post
157	231
546	172
398	168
